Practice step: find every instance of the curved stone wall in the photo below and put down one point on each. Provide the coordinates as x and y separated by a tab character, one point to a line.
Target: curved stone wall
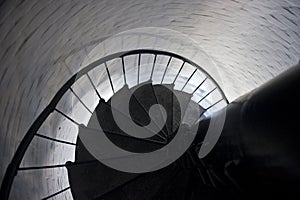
42	43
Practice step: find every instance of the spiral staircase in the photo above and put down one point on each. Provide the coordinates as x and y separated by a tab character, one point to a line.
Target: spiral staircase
256	156
150	77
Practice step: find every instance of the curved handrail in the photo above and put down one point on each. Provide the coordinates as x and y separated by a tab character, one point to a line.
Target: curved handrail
12	168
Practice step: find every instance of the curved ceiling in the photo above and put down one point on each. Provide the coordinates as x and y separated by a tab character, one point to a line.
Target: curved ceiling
44	42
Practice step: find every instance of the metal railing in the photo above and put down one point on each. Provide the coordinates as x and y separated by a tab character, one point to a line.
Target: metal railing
14	166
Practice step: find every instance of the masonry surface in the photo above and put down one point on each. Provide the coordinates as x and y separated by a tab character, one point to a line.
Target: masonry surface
42	43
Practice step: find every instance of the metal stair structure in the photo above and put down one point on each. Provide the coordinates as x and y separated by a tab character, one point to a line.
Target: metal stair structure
103	182
167	75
